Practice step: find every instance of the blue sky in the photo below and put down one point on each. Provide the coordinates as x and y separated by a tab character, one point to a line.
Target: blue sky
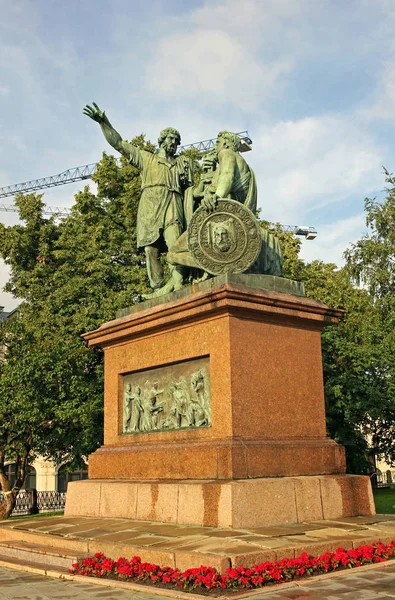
313	81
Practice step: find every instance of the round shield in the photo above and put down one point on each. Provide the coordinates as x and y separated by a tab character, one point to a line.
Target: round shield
226	240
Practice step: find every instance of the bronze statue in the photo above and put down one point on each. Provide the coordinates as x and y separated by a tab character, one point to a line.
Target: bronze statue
165	178
174	215
230	240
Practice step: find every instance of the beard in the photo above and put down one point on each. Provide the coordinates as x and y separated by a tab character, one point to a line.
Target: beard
223	245
169	148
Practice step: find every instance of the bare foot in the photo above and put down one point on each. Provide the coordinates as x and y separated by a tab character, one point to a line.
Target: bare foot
166	289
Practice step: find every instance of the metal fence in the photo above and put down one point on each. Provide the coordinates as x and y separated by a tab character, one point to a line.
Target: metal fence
382	480
31	502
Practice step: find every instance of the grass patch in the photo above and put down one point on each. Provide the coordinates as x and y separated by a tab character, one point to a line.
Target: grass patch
384	499
58	513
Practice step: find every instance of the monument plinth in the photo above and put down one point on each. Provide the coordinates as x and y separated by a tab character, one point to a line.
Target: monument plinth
214	411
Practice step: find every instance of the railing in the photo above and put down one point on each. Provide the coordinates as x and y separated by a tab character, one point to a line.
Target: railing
31	502
382	480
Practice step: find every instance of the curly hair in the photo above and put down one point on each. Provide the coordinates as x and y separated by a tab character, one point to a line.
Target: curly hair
233	140
165	132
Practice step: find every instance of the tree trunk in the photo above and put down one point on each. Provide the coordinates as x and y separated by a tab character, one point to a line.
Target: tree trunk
10	494
8	505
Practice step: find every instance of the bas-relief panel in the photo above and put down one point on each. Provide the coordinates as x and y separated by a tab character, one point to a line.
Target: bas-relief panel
167	398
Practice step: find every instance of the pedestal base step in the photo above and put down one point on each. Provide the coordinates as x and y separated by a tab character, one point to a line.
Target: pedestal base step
39	554
230	504
187	547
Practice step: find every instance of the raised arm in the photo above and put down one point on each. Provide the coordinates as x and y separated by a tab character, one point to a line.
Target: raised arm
112	136
227	166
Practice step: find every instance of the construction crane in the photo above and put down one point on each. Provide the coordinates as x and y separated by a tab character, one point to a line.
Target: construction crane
309	233
86	172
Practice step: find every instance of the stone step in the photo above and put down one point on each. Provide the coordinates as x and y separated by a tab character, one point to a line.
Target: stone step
11	535
45	556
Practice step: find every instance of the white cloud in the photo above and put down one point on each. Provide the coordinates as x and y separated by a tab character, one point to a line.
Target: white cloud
383	102
314	162
216	54
4	178
333	239
251	23
18	142
6	300
209	65
4	91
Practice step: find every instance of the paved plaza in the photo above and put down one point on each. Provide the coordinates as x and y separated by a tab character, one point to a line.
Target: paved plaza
21	542
363	585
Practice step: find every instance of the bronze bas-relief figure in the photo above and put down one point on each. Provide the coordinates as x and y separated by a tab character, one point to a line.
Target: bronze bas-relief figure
179	402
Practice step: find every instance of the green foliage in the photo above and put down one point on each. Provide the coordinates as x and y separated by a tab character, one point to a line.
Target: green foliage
196	157
384	500
72	274
371	263
358	354
346	360
290	246
43	396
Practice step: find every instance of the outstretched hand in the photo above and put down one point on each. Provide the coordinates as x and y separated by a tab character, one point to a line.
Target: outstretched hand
209	201
95	113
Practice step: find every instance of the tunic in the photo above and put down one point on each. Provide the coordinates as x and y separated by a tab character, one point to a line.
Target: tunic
163	183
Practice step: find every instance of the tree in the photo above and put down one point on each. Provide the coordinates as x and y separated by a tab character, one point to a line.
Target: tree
359	351
371	264
346	359
371	261
72	275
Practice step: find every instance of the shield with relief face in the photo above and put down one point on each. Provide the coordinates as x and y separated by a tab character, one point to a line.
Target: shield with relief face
226	240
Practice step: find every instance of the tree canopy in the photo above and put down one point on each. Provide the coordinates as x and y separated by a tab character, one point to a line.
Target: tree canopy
359	353
71	274
370	264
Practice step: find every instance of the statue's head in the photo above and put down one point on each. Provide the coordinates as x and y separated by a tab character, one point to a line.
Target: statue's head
227	139
197	380
222	237
169	139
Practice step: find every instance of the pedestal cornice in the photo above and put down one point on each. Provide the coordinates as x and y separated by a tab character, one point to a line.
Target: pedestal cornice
228	298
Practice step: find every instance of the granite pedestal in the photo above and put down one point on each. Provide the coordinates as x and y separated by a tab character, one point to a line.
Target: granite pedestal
265	459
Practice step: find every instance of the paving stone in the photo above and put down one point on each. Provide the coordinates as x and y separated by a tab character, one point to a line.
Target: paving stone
125	535
142	540
367	520
174	543
185	531
228	533
160	529
19	585
283	530
260	540
89	534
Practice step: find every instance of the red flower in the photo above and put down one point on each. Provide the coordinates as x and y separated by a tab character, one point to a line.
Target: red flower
234	578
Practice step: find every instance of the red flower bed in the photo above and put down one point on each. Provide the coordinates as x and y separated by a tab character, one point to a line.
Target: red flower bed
208	579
